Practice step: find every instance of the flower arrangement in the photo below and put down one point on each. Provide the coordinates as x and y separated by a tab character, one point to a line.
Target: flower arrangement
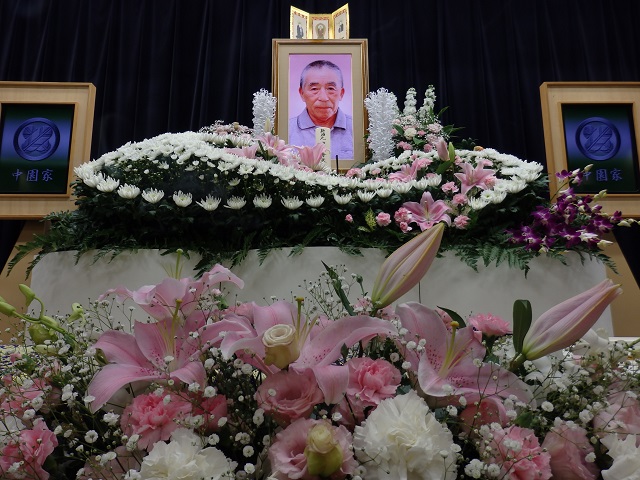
339	384
227	189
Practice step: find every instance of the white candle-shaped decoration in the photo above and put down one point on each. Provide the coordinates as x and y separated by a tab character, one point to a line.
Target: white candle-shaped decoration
323	136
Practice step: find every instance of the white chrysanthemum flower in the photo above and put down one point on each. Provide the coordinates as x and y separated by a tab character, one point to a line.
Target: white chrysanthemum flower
401	187
493	196
128	191
403	439
315	202
384	192
236	203
477	203
93	180
365	196
210	203
182	199
292	203
262	201
108	185
152	195
342	199
184	457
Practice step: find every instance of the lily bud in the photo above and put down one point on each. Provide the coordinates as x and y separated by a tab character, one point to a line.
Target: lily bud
568	321
323	452
405	267
281	345
8	309
29	295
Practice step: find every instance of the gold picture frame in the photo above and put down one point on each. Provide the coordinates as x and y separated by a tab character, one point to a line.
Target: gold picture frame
57	119
596	123
289	58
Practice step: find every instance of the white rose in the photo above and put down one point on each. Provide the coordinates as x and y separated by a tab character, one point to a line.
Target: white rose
281	345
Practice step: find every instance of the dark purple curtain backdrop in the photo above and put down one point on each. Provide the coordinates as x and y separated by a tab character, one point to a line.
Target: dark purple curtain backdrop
176	65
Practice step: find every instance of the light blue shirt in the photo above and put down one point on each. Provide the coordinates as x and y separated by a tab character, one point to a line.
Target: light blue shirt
302	132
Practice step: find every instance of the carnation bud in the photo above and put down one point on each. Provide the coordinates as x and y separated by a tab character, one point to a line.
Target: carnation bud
323	453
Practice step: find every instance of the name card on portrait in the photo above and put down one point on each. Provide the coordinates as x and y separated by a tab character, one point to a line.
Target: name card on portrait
323	136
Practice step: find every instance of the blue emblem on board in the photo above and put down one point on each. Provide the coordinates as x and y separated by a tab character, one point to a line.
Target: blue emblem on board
36	139
597	138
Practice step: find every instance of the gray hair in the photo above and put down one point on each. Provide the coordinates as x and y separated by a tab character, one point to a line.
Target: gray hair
318	64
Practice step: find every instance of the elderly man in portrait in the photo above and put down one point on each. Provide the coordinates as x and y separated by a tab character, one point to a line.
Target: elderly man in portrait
321	89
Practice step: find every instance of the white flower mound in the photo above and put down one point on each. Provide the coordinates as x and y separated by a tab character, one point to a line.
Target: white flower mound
402	439
185	459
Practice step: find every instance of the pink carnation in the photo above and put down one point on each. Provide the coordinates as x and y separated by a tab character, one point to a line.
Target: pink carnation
349	218
287	454
461	221
404	145
370	382
32	448
402	215
450	187
490	325
212	409
288	395
518	452
568	446
459	199
485	412
153	418
383	219
18	397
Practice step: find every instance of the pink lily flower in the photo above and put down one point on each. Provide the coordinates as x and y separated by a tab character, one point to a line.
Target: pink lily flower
160	350
443	149
318	342
569	321
246	151
156	351
476	176
428	212
173	296
405	267
276	147
452	361
311	157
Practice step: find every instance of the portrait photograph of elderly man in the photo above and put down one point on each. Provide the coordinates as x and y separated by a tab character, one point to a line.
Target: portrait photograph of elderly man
321	91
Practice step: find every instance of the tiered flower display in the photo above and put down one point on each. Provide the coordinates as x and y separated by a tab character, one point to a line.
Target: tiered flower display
226	189
338	384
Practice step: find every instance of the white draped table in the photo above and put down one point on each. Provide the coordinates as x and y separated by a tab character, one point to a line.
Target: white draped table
59	281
